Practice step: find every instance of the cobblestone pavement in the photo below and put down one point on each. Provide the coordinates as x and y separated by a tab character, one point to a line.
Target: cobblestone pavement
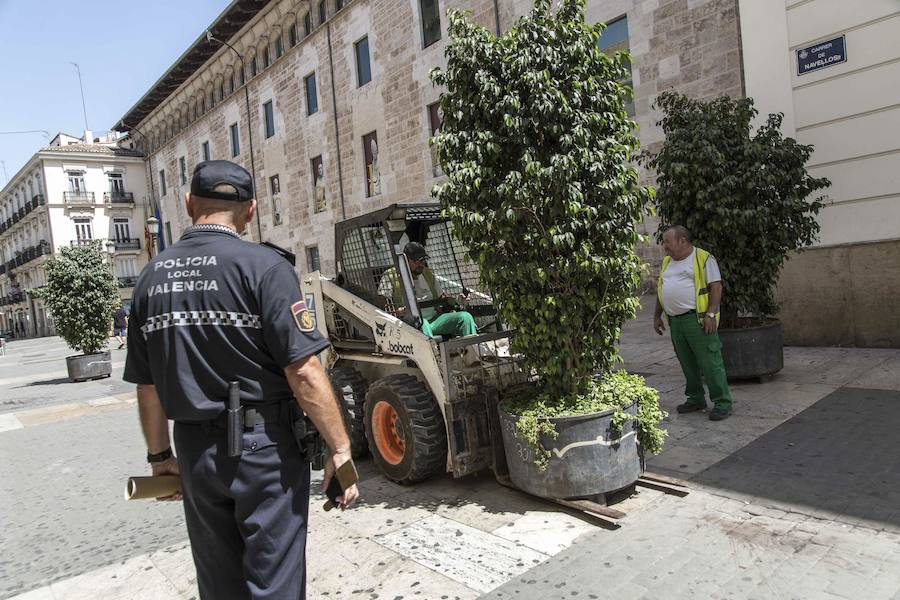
67	448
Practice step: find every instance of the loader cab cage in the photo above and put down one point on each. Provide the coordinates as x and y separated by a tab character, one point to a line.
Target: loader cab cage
370	263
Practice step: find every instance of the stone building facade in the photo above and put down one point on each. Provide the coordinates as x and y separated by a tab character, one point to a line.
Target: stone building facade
689	45
326	79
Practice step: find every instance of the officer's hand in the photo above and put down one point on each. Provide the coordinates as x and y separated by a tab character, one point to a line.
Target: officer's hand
658	325
167	467
334	461
710	325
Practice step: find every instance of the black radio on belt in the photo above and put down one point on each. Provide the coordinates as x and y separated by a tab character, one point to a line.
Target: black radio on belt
311	444
235	424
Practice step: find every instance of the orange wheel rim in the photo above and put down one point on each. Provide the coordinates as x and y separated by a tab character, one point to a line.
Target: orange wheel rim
388	433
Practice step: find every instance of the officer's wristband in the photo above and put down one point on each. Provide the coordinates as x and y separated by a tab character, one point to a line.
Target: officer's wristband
160	456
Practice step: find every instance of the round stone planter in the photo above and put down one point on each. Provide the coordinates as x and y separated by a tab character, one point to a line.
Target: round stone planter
753	352
89	366
587	459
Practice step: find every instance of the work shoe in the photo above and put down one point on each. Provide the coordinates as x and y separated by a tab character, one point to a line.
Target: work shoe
718	414
688	407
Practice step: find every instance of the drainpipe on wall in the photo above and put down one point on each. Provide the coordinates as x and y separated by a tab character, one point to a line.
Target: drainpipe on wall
337	132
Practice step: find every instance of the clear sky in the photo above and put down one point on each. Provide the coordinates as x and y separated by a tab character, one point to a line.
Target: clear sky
122	47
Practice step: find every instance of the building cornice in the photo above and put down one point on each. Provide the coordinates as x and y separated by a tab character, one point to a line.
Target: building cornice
235	16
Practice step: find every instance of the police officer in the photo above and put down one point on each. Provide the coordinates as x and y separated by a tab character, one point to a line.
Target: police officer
210	310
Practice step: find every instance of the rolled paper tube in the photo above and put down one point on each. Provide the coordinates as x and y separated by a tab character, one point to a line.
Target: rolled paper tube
139	488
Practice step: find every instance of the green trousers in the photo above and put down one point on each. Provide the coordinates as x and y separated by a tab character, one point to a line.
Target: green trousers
456	324
700	355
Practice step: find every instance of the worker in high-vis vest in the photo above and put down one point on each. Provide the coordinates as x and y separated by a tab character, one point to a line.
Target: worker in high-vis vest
689	291
426	287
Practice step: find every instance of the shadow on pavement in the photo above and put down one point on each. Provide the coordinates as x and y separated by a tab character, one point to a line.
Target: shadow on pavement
48	382
838	457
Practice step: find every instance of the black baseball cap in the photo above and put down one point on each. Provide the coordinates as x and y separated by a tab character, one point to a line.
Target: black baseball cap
221	180
415	251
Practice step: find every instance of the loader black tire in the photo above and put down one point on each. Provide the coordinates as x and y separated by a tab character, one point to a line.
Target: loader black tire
405	429
350	389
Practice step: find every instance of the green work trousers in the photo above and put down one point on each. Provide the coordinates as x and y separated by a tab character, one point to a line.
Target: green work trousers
700	355
456	324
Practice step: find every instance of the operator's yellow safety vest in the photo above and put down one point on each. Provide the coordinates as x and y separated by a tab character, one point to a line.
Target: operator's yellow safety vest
397	293
701	289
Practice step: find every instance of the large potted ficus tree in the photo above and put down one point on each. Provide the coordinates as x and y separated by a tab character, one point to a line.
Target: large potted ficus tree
536	144
81	295
748	199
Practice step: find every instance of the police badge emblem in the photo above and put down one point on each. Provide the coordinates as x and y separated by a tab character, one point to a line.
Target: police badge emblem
302	317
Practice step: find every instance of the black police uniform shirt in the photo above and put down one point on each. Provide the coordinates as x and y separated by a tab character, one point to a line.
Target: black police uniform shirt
212	309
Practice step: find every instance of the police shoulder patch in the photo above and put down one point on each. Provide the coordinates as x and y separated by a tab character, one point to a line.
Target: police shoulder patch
302	317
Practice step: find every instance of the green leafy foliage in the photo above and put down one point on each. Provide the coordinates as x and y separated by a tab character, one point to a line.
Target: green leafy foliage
536	144
743	196
537	147
81	295
612	391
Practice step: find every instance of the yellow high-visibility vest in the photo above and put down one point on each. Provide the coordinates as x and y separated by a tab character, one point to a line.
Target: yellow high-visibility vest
396	292
701	289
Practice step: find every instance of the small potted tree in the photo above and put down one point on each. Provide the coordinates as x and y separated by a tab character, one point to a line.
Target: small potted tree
81	295
536	144
746	198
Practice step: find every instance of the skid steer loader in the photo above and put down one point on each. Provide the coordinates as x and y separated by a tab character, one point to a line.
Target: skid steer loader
420	404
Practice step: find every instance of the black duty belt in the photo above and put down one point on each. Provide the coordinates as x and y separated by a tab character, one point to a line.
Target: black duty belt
255	414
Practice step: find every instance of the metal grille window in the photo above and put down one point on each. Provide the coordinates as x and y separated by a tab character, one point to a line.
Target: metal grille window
363	66
312	102
266	59
269	115
169	233
182	169
76	182
84	230
205	151
615	39
292	35
122	230
162	182
235	139
434	122
366	260
322	13
307	24
431	21
373	168
279	47
116	184
312	258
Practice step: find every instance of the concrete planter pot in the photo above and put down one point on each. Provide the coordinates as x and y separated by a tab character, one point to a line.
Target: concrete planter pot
588	458
753	352
89	366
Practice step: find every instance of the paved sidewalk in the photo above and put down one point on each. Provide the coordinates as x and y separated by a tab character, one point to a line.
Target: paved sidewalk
472	538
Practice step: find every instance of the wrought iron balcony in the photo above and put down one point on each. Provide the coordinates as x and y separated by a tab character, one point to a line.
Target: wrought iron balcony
78	197
82	242
128	244
118	197
23	211
38	200
127	282
14	219
2	269
3	226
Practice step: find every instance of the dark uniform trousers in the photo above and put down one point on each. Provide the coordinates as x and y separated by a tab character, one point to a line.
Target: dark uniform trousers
246	515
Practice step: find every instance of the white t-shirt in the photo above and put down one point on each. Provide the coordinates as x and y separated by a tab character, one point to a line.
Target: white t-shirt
678	294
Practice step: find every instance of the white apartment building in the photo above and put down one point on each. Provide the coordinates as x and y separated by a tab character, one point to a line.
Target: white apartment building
69	192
